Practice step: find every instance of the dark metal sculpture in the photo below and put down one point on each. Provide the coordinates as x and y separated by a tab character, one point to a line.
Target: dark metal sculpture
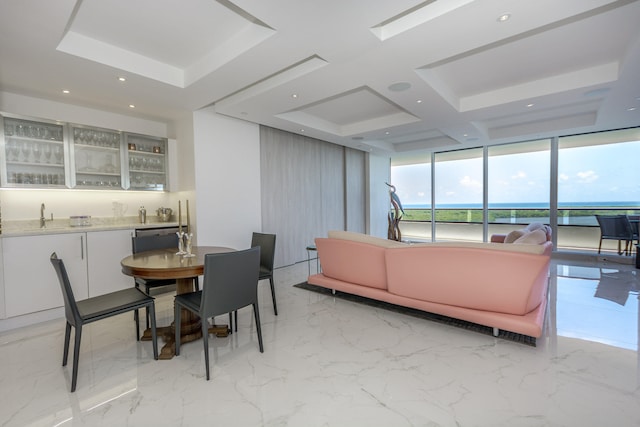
394	216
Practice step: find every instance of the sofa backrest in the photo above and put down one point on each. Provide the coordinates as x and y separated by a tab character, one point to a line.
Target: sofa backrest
502	281
365	238
353	262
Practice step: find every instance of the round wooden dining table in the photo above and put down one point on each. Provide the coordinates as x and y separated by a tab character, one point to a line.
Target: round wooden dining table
168	264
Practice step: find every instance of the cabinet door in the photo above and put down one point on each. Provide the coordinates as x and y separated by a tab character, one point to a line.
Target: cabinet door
31	283
96	158
105	251
33	154
146	162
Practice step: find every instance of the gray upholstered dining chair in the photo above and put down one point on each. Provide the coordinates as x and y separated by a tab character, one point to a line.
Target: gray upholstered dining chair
267	245
230	282
79	313
149	243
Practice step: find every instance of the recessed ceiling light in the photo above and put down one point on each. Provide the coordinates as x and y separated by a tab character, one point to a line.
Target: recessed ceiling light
631	109
132	106
530	105
122	79
504	17
301	130
387	133
294	96
419	101
65	91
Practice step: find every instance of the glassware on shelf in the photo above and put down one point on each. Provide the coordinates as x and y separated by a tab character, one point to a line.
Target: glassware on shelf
26	150
58	153
14	150
36	149
48	152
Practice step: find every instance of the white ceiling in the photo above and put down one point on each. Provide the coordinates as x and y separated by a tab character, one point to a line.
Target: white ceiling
461	77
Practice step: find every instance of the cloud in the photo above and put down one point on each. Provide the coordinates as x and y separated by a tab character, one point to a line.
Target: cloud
563	177
519	175
587	177
466	181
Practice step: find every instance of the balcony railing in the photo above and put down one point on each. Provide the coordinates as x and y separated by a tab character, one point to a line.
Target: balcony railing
577	228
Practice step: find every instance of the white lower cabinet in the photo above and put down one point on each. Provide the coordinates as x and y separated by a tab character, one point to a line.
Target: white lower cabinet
105	251
92	260
30	282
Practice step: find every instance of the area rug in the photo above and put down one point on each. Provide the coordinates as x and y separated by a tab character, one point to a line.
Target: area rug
485	330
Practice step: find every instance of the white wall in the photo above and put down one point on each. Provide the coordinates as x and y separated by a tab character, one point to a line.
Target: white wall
50	110
227	174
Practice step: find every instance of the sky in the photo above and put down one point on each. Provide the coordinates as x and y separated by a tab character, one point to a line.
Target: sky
596	174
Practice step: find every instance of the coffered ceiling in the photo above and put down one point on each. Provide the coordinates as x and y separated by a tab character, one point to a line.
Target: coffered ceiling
394	77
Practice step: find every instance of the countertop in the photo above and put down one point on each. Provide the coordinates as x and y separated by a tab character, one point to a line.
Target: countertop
61	226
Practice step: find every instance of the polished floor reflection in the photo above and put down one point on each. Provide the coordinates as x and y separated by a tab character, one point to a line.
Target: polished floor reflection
330	362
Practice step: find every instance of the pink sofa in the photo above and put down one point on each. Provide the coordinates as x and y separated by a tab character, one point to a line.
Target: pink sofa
498	285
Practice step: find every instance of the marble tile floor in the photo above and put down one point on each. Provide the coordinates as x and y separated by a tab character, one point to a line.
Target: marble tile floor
328	362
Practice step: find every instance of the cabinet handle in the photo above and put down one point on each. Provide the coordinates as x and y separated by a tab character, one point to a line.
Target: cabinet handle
81	247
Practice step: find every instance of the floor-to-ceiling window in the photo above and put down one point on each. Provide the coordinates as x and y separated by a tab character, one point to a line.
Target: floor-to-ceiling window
458	190
561	181
597	174
518	184
413	187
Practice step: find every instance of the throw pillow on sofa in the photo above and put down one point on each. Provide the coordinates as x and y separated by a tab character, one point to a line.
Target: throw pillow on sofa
536	237
514	235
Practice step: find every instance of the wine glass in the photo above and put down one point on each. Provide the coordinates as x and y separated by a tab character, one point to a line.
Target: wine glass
36	149
14	150
58	153
48	151
26	149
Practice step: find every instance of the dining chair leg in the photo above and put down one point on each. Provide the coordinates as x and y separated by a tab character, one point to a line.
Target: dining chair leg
205	341
136	317
235	319
76	357
67	338
256	314
154	334
176	324
273	295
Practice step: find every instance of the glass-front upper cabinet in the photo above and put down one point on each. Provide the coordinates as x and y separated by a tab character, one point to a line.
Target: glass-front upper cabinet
97	157
146	162
33	153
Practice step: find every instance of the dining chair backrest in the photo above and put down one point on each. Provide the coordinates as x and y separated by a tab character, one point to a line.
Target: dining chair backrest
148	243
230	281
615	227
267	244
70	307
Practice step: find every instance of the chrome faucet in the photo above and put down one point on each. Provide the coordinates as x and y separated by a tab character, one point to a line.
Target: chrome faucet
42	220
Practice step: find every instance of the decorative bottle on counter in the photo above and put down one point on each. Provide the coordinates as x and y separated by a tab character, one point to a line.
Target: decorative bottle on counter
142	215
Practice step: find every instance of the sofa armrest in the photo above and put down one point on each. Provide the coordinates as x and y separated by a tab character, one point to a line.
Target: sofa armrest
498	238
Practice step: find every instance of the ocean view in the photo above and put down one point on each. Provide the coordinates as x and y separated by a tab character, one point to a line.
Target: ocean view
567	205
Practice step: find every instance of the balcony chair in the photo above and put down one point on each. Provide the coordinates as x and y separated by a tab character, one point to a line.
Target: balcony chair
101	307
230	282
616	227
